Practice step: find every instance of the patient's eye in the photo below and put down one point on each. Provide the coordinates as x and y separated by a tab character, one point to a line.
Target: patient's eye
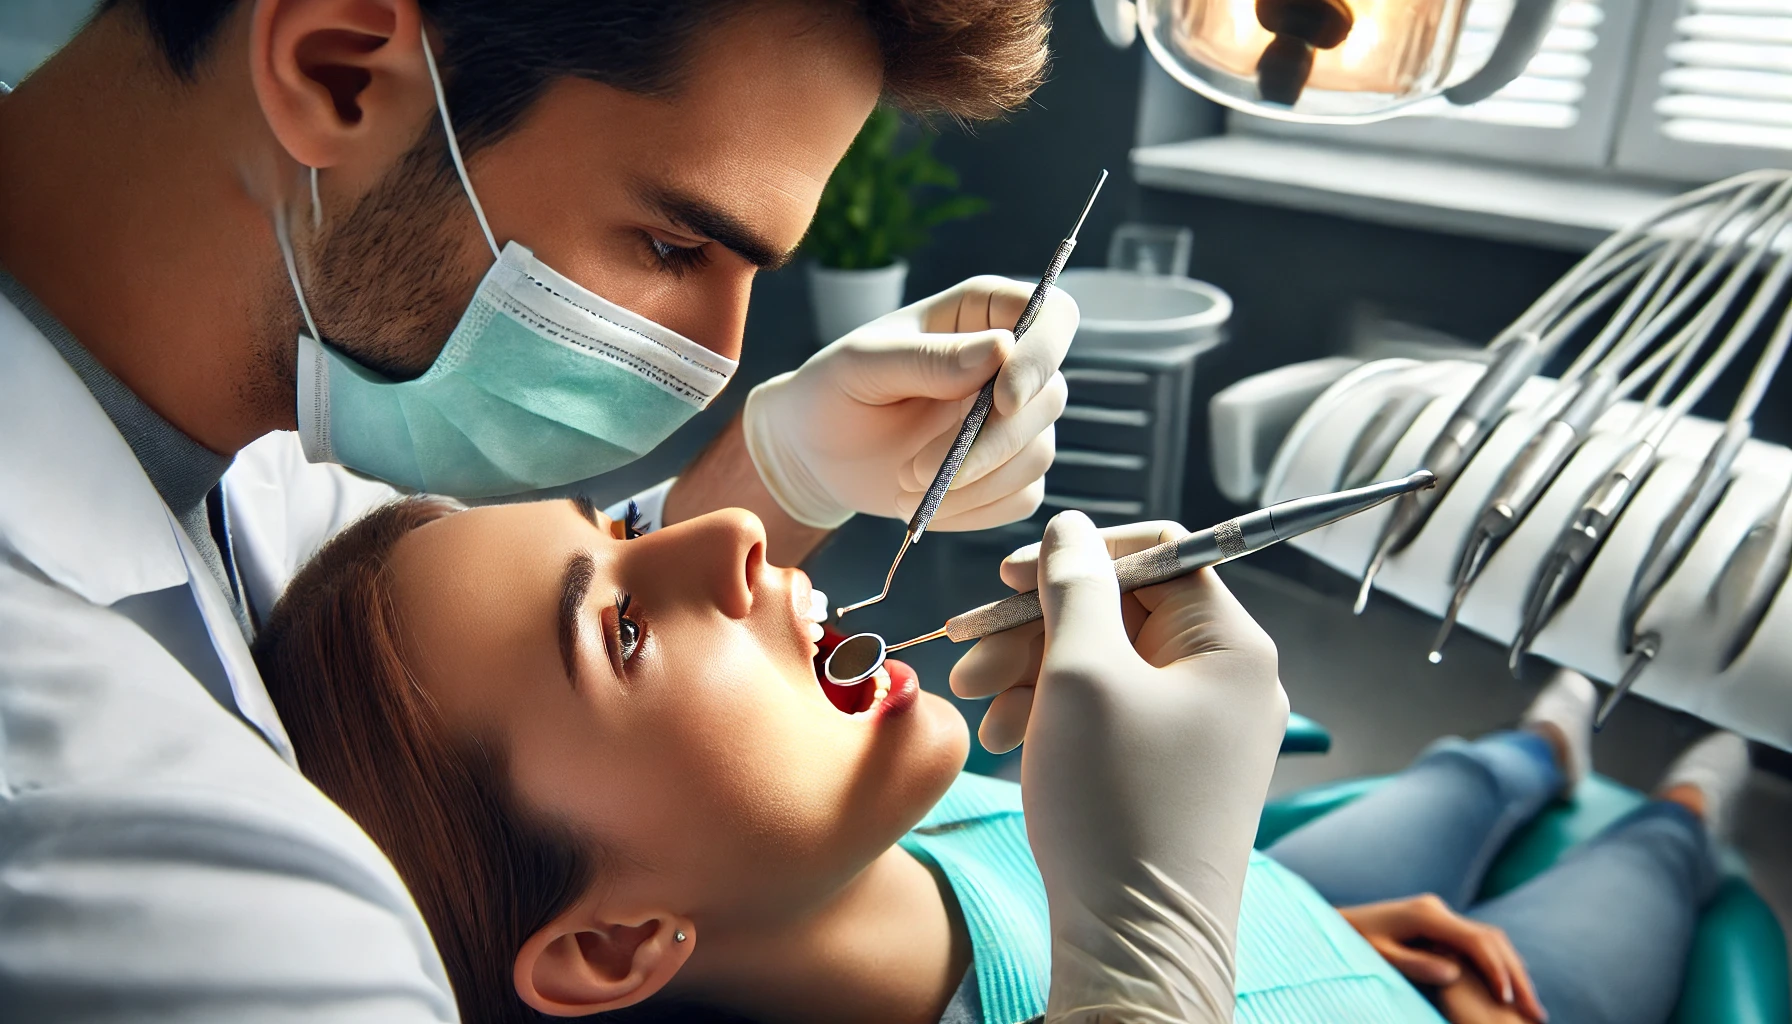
628	631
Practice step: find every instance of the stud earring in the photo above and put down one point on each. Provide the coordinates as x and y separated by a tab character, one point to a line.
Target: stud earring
677	936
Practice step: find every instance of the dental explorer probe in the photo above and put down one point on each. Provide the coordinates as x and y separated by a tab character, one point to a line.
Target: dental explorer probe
980	410
1519	352
859	656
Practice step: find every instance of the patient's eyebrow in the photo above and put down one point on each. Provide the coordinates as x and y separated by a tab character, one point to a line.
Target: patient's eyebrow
585	507
575	583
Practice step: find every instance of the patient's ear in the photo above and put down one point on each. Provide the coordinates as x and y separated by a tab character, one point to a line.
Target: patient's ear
580	963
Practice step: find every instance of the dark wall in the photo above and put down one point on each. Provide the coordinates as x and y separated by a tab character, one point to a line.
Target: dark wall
1295	277
1297	280
1035	167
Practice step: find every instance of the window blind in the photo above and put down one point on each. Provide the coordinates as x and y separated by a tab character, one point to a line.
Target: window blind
1728	78
1549	93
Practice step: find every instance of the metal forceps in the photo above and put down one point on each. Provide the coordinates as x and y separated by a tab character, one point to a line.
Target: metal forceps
980	410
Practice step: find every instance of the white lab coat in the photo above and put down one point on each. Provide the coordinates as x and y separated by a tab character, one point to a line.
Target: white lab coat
160	857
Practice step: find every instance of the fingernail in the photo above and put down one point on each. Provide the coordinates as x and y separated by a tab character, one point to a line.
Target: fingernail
1507	993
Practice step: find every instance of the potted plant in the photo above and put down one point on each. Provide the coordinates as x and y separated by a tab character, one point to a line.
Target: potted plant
877	208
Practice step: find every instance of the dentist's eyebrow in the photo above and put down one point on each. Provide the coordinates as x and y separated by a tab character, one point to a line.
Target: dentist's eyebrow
702	217
575	584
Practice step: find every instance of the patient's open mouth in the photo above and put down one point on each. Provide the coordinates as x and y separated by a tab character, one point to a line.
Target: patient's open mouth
855	700
893	689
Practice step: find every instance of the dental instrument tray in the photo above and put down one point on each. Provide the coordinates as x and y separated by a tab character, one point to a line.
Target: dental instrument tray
1587	519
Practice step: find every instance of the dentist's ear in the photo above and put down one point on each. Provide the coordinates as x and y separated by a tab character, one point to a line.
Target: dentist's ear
581	964
341	83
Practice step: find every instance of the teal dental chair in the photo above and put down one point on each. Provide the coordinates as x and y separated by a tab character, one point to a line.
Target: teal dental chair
1737	973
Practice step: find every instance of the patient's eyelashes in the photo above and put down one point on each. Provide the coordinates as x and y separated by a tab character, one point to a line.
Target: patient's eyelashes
631	521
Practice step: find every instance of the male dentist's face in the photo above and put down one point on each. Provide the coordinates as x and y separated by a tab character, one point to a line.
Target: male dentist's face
664	205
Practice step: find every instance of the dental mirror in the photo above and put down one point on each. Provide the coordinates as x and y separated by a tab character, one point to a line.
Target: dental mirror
855	660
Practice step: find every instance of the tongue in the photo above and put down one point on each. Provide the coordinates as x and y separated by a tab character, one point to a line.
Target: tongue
849	699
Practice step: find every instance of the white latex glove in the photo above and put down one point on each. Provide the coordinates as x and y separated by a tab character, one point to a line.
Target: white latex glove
864	424
1145	768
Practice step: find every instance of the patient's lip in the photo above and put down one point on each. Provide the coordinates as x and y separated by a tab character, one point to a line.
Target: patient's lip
905	689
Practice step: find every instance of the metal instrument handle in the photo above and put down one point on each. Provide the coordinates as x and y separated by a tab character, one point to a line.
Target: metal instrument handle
1516	362
1139	569
986	401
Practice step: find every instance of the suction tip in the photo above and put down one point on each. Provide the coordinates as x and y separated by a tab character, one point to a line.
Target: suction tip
1448	625
1646	649
1391	532
1368	584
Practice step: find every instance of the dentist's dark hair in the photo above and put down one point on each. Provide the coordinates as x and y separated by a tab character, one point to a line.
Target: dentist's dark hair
969	59
485	873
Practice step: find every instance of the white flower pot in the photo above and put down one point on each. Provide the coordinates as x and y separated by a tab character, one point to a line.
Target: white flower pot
845	299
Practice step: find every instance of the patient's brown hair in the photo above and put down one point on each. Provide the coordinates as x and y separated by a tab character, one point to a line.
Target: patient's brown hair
485	874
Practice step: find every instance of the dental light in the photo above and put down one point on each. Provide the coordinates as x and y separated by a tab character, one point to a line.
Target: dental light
1336	61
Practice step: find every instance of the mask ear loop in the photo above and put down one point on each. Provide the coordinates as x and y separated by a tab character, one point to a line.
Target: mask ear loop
460	167
283	235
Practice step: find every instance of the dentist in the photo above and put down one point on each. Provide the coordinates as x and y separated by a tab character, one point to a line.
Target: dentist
468	246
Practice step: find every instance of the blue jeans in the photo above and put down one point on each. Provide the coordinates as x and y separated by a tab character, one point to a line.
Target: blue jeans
1604	932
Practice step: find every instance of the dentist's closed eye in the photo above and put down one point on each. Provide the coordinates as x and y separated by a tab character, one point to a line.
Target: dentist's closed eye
676	259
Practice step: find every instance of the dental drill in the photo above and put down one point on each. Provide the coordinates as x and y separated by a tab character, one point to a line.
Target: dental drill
1766	542
1536	467
1598	515
1518	353
980	410
858	657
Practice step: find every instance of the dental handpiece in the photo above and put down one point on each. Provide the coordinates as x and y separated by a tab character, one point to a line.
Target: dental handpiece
858	657
1529	474
1458	442
1523	349
980	410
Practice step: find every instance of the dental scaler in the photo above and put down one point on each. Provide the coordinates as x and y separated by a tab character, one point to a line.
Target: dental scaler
858	657
980	410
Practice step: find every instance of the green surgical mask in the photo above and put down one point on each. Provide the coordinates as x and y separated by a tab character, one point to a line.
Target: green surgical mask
542	382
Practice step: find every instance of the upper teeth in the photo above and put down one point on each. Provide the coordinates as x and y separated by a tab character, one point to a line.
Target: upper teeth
818	606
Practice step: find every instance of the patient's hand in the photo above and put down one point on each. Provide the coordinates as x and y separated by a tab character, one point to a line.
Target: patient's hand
1427	942
1468	1001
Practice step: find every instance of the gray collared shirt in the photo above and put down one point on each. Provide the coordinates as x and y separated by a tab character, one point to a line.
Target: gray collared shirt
185	473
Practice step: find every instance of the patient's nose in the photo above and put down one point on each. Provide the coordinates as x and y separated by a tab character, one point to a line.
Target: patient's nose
717	557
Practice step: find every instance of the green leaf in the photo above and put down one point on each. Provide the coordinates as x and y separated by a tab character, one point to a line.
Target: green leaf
883	198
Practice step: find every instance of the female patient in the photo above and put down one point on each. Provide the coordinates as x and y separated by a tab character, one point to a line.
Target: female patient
606	770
